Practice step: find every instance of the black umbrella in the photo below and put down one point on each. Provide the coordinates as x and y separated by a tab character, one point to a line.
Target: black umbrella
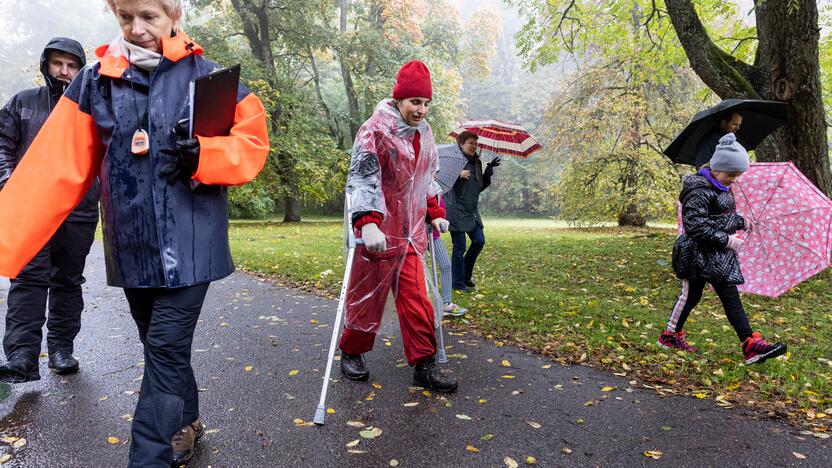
759	119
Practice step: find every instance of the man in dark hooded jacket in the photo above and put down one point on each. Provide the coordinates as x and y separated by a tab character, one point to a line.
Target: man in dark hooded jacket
56	272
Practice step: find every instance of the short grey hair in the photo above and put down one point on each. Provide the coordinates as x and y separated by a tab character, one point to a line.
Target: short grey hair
173	8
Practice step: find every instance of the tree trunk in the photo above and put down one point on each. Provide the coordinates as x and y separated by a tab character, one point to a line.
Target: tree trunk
291	210
786	69
349	87
256	27
316	77
631	218
788	44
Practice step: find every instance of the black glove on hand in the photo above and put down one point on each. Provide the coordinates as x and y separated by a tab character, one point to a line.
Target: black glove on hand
185	158
495	162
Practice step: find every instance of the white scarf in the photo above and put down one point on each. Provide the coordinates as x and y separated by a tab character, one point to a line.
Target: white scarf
142	58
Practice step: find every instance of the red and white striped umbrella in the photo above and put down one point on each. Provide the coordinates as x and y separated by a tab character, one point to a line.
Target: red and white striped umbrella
500	137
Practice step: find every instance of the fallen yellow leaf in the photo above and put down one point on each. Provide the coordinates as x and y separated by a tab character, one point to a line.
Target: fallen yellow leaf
378	386
508	376
472	449
5	458
293	372
654	454
607	389
700	395
547	366
481	400
330	411
104	398
510	462
113	440
530	460
505	363
533	424
353	443
249	368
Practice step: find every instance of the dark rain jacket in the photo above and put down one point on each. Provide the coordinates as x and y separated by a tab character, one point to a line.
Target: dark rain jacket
706	147
23	116
709	217
156	233
462	201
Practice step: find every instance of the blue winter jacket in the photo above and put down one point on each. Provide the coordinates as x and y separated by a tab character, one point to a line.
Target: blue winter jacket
156	233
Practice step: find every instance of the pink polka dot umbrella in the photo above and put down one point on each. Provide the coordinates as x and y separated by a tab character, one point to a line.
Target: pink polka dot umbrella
790	237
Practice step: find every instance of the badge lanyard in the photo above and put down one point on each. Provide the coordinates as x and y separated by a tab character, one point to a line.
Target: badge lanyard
140	145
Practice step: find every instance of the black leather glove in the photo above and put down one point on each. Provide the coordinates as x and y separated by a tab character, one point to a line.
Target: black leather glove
184	159
495	162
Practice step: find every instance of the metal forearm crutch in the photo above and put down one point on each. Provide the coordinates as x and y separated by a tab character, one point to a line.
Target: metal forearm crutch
437	304
352	242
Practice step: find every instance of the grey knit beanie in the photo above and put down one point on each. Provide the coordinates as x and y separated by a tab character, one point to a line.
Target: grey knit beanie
729	155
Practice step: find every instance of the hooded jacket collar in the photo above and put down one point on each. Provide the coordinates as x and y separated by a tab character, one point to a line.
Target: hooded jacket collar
174	48
403	129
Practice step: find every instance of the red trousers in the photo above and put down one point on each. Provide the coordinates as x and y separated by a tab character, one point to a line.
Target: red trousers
415	310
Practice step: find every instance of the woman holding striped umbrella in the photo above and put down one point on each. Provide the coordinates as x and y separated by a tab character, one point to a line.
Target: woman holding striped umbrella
461	205
466	180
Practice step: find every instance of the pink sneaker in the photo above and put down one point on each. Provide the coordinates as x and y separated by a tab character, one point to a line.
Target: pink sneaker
669	339
756	349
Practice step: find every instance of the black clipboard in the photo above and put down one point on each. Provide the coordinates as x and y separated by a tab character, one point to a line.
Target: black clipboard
213	100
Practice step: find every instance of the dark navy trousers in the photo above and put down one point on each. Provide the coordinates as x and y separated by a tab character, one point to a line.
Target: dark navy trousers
55	276
166	319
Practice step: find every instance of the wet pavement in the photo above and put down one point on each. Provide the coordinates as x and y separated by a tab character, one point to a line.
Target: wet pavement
259	354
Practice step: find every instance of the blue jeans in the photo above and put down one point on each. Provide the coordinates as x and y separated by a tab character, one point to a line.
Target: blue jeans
462	262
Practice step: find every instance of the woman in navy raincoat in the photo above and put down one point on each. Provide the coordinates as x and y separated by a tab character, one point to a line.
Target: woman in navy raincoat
164	240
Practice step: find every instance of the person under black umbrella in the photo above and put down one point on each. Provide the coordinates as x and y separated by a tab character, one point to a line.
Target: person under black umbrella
729	122
752	121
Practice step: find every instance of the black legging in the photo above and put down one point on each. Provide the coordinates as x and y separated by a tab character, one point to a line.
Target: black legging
692	294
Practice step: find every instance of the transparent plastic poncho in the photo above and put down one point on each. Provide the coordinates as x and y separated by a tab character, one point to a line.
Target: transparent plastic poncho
385	176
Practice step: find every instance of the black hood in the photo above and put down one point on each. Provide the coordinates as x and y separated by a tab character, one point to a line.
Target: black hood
63	44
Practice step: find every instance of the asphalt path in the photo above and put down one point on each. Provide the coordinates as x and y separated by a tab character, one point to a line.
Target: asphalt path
259	356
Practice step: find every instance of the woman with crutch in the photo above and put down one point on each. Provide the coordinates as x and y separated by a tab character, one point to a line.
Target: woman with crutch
165	236
392	192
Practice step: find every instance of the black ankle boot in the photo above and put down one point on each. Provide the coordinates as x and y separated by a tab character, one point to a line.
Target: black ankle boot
427	374
19	371
62	362
353	366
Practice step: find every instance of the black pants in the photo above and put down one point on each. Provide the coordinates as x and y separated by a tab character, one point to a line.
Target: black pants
728	295
462	261
166	319
54	275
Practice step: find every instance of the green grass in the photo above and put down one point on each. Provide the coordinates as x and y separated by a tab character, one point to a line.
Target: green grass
599	296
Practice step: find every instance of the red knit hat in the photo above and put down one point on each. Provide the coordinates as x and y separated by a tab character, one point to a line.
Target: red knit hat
413	80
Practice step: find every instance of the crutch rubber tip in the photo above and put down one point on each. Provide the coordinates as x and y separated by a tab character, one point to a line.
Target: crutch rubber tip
441	357
320	415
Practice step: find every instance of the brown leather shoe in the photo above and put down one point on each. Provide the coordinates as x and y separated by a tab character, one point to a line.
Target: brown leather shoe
184	440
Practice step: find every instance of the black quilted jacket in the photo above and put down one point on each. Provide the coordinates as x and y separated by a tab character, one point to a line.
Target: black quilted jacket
709	216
